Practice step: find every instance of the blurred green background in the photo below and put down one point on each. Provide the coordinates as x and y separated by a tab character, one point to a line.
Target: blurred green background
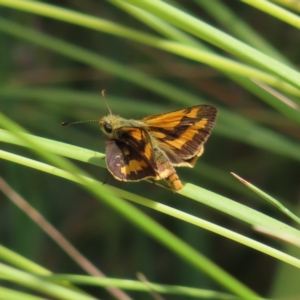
41	87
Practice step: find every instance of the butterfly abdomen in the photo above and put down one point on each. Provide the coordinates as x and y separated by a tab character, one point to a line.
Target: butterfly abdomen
175	182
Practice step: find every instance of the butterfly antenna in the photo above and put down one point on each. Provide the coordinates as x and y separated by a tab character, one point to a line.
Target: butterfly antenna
103	95
78	122
88	121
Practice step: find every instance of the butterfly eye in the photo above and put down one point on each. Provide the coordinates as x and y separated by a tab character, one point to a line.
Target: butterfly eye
107	127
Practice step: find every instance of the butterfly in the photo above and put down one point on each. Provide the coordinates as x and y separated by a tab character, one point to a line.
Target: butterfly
153	146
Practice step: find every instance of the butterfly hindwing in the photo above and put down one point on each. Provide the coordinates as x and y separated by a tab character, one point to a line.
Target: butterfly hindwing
131	156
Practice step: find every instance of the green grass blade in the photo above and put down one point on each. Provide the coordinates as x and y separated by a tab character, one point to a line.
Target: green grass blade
234	24
144	286
158	24
219	38
293	5
11	294
34	282
21	262
269	198
276	11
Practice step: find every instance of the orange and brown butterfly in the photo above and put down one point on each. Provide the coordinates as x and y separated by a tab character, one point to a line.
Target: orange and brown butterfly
153	146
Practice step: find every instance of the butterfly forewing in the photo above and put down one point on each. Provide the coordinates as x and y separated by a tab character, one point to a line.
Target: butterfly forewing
183	132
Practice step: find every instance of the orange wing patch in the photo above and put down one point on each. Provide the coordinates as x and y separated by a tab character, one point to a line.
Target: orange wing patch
133	166
188	135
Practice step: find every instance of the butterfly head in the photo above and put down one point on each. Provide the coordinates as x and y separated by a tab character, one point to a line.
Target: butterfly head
107	124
